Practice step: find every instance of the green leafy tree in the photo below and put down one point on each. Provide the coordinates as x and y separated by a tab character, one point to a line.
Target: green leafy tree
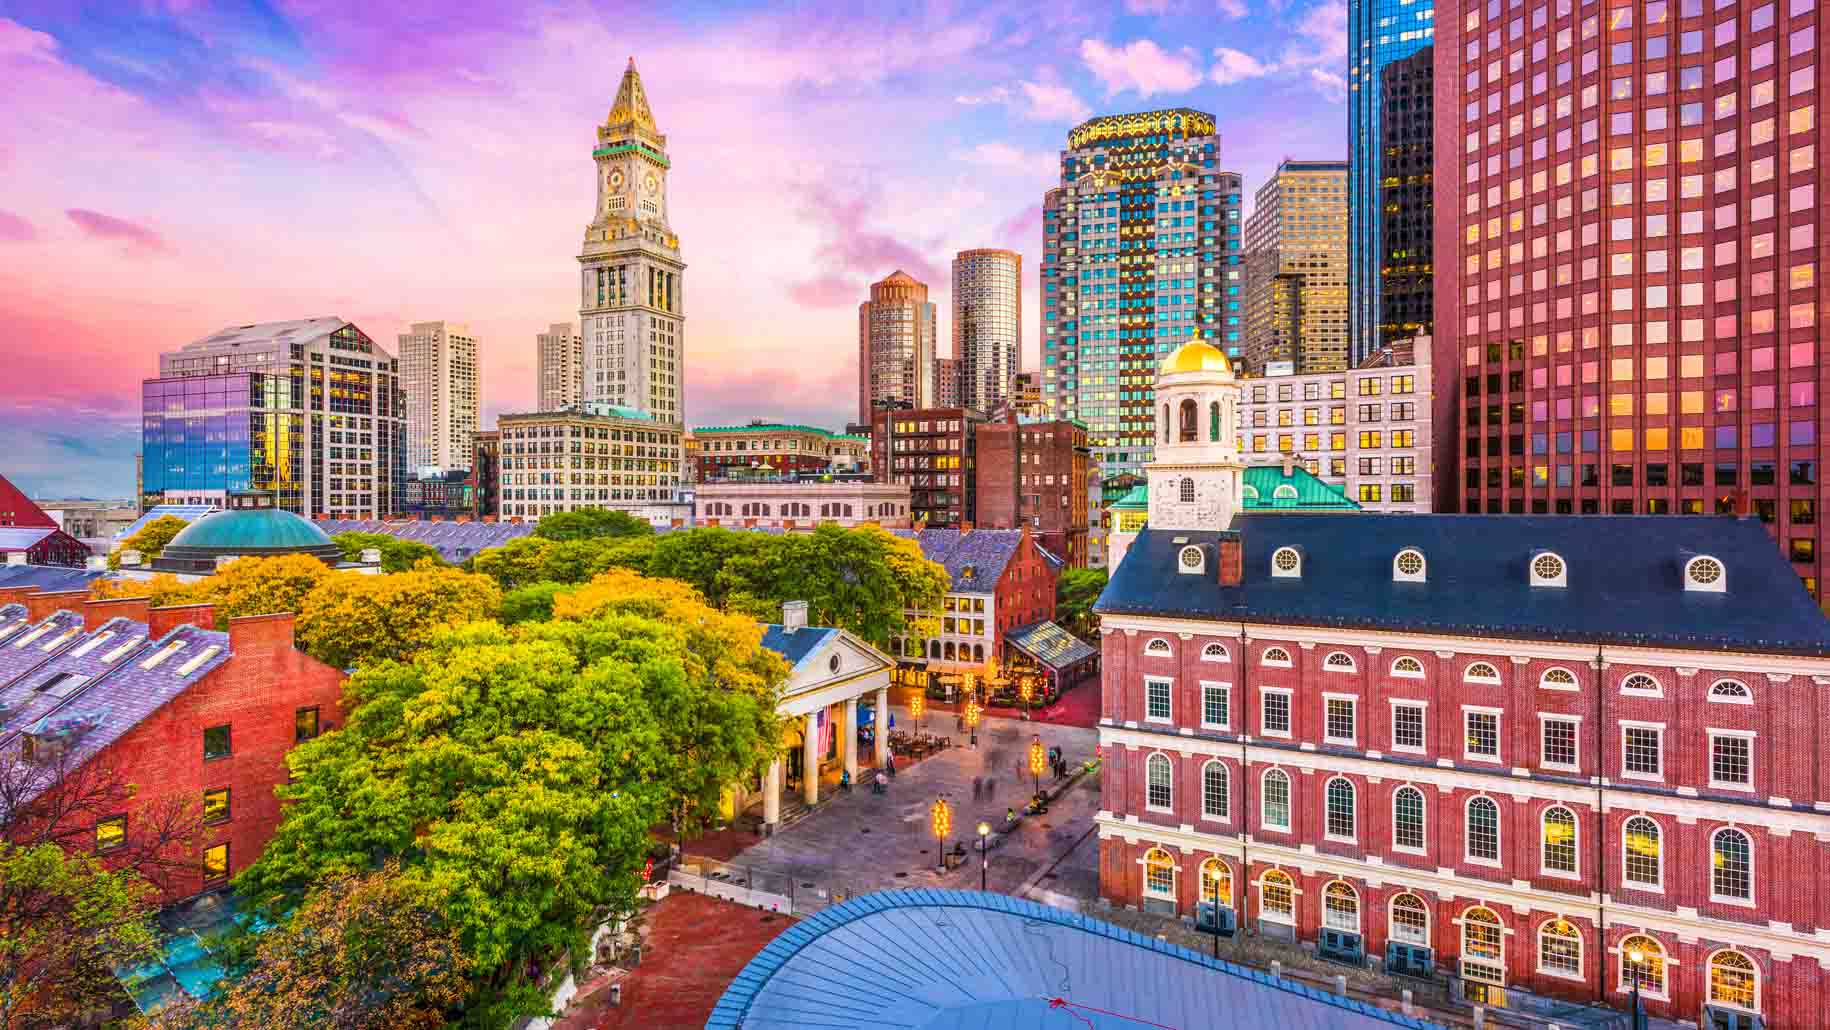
66	922
348	619
697	556
532	603
529	560
865	580
150	540
397	555
518	563
1076	591
591	523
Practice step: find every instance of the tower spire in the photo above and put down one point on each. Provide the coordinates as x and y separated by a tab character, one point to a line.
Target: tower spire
630	116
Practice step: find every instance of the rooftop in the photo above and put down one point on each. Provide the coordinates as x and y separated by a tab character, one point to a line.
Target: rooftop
297	330
796	646
778	427
974	560
454	541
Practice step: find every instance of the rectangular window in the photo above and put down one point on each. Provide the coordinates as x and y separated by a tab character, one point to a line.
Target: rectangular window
216	863
1560	743
1277	713
305	722
1731	760
1643	751
1483	734
1340	720
110	833
216	805
1407	728
1216	710
216	742
1156	700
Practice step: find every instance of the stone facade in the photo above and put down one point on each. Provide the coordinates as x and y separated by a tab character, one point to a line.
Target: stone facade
797	504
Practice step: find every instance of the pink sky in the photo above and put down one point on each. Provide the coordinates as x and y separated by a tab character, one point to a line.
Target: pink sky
175	166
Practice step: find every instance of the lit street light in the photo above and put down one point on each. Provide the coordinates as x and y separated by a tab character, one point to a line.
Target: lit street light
940	817
984	852
1038	758
1635	957
917	705
972	720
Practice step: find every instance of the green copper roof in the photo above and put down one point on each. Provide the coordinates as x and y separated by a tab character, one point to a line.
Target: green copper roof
1304	492
1137	500
258	529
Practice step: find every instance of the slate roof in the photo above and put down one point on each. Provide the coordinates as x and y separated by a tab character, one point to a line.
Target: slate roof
799	645
1050	644
1624	574
454	541
954	960
984	551
20	538
48	578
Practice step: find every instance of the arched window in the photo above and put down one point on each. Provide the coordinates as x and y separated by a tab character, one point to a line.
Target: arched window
1214	653
978	652
1481	672
933	649
1408	566
1165	423
1213	421
1284	491
1161	790
1557	679
1410	920
1189	417
1406	667
1187	494
1642	960
1643	851
1338	661
1640	683
1158	646
1275	656
1276	799
1341	907
1731	866
1407	818
1340	798
1734	980
1559	840
1560	948
1287	562
1276	897
1483	837
1214	795
1704	573
1159	874
1548	570
1731	692
1216	883
1483	946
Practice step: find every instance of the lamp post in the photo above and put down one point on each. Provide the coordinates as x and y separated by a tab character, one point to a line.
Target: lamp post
1037	759
972	720
1635	957
917	705
984	853
940	817
1023	691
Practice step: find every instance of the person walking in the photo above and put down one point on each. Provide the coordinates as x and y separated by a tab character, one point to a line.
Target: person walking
978	788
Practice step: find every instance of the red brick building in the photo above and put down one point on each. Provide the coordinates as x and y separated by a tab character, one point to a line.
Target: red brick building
999	581
932	451
773	448
1035	474
156	697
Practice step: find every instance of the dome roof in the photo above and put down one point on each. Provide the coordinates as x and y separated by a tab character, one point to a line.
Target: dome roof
251	531
1197	356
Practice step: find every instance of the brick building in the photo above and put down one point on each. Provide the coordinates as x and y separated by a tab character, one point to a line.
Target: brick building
785	449
1035	474
159	699
999	581
933	456
1544	758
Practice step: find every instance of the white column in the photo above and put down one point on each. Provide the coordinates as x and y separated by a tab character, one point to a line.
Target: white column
850	746
772	794
810	759
883	725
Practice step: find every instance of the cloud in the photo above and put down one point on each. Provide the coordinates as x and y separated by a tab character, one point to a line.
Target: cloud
829	291
854	252
17	41
1021	229
1231	66
1320	52
821	394
308	139
1150	6
14	229
994	95
1233	8
1005	157
108	227
1332	84
1140	67
1049	102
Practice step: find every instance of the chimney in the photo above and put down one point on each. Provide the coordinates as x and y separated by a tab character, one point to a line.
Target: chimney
15	595
1289	466
160	621
794	615
964	528
97	612
41	604
249	634
1231	566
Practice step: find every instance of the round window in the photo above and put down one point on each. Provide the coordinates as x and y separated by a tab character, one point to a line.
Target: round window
1410	563
1286	560
834	664
1704	571
1547	566
1191	557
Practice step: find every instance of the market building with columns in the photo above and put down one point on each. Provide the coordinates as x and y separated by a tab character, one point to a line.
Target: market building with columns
1543	760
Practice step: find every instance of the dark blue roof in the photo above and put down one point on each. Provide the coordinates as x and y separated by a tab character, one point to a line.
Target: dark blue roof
953	960
797	646
49	578
1625	579
454	541
983	552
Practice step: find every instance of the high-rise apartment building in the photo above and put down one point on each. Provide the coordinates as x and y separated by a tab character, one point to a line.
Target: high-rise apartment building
632	307
438	371
949	386
896	337
1141	250
1379	32
560	366
1627	299
310	410
1407	240
931	451
987	324
1296	270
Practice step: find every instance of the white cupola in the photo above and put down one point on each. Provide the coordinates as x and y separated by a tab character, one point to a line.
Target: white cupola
1195	478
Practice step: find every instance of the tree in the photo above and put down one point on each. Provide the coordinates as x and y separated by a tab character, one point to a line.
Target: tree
529	560
150	539
697	556
531	603
351	619
517	563
397	555
1076	591
246	586
865	580
161	590
591	523
66	922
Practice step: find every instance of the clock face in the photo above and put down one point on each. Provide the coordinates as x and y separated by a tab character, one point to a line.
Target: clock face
616	179
651	183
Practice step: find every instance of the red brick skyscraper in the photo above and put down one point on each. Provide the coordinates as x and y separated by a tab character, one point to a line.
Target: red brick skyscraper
1628	257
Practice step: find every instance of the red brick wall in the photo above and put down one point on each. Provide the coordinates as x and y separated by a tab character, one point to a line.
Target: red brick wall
1026	593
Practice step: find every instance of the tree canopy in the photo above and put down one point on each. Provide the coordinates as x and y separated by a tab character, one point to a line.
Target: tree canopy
65	922
347	619
532	559
397	555
590	524
1076	591
150	539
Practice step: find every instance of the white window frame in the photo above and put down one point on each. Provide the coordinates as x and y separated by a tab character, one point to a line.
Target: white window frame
1406	674
1327	834
1328	736
1226	702
1709	965
1150	805
1295	572
1169	688
1544	867
1166	651
1224	656
1641	885
1753	870
1226	798
1468	676
1358	907
1748	735
1269	662
1545	684
1281	918
1175	872
1405	936
1422	574
1623	984
1330	665
1625	773
1423	821
1581	949
1264	695
1543	755
1422	706
1499	833
1658	691
1499	734
1289	800
1746	697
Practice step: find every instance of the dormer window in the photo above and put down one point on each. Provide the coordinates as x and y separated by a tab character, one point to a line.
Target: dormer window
1192	560
1705	573
1287	563
1408	566
1548	570
1284	492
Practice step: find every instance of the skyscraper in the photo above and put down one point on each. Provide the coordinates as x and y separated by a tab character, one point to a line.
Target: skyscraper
560	366
1627	298
1378	33
632	303
438	371
1296	270
987	324
948	383
1407	249
896	336
1141	250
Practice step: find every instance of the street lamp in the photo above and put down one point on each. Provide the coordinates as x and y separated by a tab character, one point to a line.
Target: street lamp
972	721
1037	759
1023	691
984	853
941	818
917	705
1635	957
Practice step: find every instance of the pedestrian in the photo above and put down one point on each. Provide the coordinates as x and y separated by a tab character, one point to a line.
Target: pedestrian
1010	815
978	788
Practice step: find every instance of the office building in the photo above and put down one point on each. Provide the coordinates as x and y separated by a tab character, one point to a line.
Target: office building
897	331
801	503
596	457
1035	473
930	450
559	359
1296	270
774	449
311	410
1407	227
1141	249
438	371
486	475
949	384
987	325
1627	295
1026	395
1379	32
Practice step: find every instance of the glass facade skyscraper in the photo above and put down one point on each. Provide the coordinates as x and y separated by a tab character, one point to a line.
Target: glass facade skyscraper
1378	33
208	436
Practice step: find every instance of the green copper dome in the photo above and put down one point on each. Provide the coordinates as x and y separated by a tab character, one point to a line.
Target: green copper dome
251	529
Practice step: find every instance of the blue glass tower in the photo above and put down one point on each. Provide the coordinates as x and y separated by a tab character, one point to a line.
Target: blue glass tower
1378	33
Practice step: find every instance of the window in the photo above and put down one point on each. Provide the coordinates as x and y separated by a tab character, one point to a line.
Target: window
1731	866
1341	908
1407	819
1286	562
1276	716
1276	897
1643	751
1559	840
305	724
1216	710
1733	980
1483	946
1215	803
1560	949
1276	657
1338	661
1159	874
1642	962
1341	816
216	805
1276	794
1704	573
1560	747
1641	684
1159	774
1483	843
1214	653
1643	851
1407	727
1216	883
110	833
1408	566
1481	672
1410	920
1156	699
215	742
1731	759
1548	570
1340	728
1483	736
1158	646
216	863
1557	679
1187	491
1730	692
1408	668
